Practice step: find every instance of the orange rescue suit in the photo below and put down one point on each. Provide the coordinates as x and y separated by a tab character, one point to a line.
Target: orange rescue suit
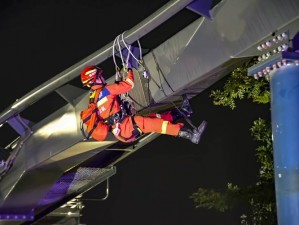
108	105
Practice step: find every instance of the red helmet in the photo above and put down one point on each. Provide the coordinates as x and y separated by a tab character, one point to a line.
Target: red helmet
90	74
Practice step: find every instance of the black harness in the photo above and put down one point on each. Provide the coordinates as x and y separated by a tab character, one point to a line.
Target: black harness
119	117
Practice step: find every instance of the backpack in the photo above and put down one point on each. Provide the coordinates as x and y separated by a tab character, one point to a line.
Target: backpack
95	127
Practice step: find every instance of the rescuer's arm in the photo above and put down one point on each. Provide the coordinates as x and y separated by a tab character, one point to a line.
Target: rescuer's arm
123	86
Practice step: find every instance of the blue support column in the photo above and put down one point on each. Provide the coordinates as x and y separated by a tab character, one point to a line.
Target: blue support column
284	85
279	62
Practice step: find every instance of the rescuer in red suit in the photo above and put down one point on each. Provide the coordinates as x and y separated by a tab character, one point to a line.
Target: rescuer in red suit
126	127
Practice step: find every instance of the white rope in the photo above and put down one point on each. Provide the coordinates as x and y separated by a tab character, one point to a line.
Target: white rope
126	96
140	54
128	47
117	43
113	54
139	61
119	50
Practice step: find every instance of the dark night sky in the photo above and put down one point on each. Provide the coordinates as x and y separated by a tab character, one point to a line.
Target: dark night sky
40	38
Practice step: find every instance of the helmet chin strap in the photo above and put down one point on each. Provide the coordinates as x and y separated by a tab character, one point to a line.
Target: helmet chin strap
96	84
99	77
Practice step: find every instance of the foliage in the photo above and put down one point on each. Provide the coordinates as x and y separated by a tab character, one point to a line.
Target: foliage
261	132
260	197
239	86
263	208
211	199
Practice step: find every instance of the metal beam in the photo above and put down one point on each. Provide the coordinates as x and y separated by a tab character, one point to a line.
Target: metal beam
132	35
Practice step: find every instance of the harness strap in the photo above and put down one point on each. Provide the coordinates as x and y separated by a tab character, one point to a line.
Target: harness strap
135	133
137	130
88	118
91	131
117	117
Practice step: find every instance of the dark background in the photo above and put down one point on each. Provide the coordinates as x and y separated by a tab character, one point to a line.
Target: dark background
41	38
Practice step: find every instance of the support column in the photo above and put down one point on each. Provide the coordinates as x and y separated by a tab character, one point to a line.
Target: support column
279	62
284	84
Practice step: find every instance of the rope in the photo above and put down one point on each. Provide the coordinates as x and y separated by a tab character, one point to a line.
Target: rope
161	73
113	54
124	96
141	63
140	52
162	89
119	50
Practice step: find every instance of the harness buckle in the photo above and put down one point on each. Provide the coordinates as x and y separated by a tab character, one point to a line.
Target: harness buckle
116	130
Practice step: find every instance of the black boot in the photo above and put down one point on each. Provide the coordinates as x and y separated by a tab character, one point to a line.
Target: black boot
201	128
195	135
185	107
